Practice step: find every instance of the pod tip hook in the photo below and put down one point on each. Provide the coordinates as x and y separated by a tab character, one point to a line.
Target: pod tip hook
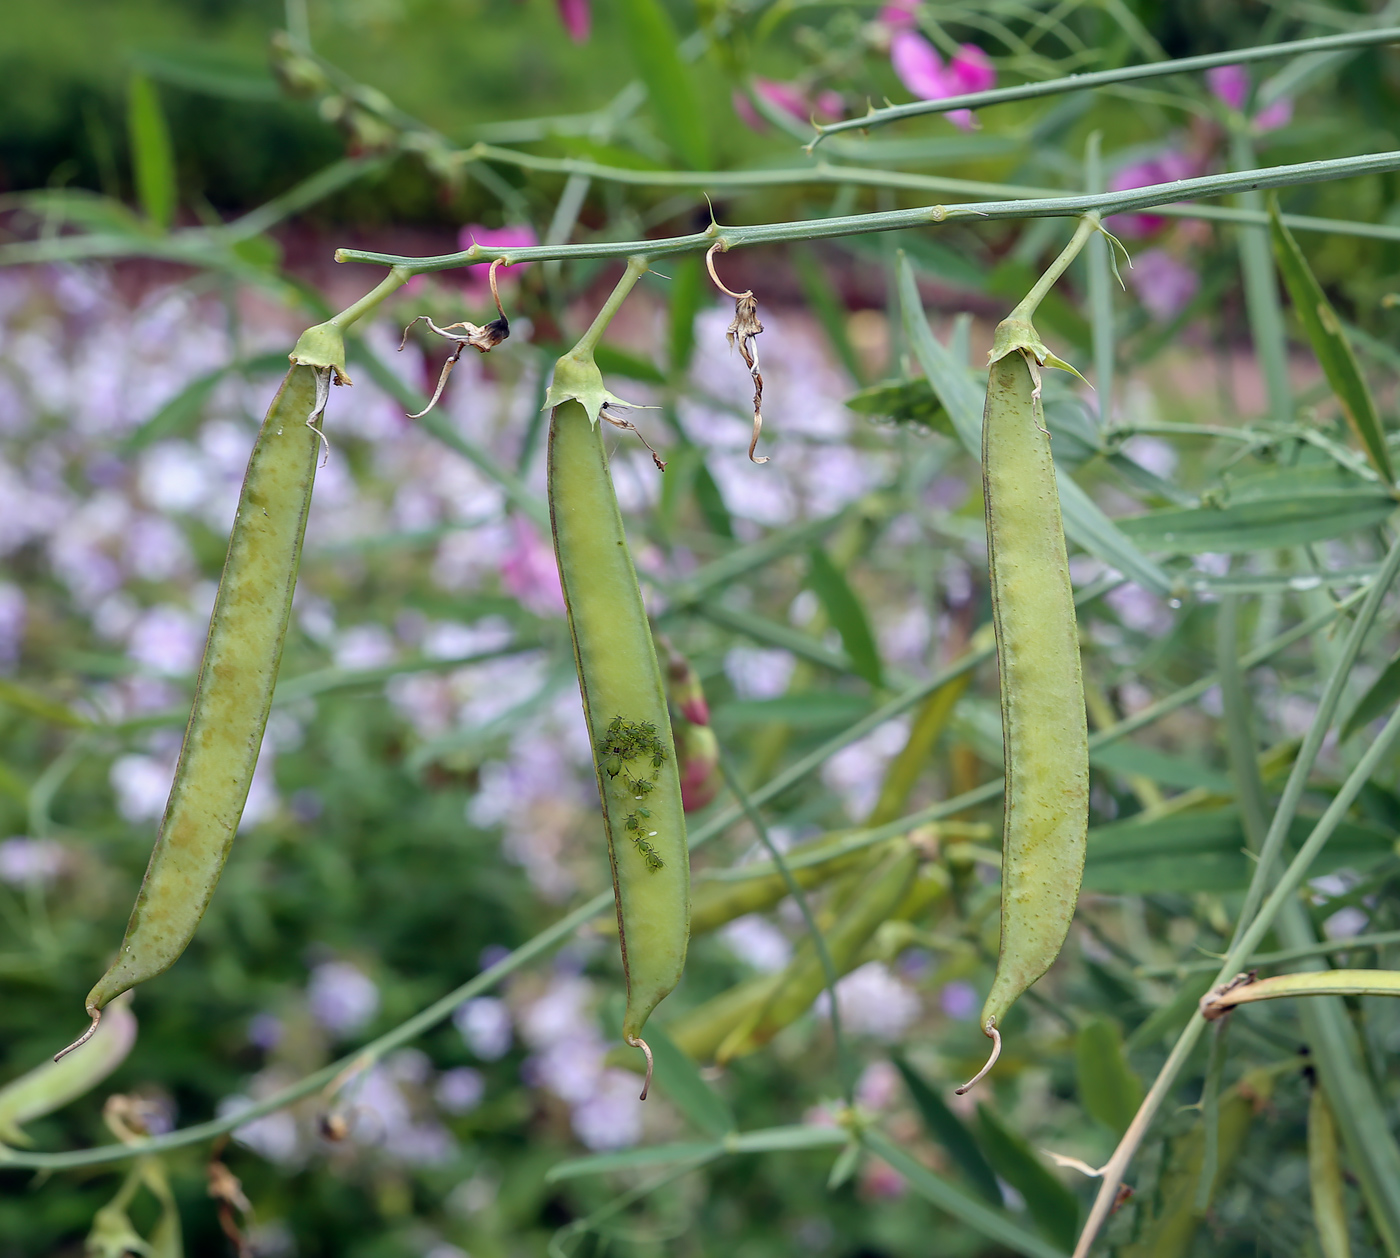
82	1039
991	1029
636	1041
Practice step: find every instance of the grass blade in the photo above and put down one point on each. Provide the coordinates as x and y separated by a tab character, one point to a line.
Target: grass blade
152	154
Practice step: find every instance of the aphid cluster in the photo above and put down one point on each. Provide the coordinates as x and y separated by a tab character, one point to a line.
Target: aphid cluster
624	742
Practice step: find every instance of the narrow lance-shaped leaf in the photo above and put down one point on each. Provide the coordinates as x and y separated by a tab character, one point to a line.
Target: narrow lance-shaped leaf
846	614
152	154
947	1128
1052	1205
1107	1086
1330	345
670	83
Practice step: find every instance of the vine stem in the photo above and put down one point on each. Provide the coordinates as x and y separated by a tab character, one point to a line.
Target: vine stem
1107	78
1027	306
1149	197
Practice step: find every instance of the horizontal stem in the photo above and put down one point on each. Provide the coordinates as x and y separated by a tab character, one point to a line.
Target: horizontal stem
1309	983
1105	78
1105	203
1379	939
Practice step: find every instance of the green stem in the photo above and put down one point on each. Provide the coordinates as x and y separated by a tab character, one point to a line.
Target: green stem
637	266
1025	308
1100	292
1151	197
1379	939
398	276
794	889
1104	78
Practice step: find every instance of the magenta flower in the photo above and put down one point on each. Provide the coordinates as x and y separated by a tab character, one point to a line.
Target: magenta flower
1230	85
899	15
785	96
1163	284
791	98
517	237
921	70
1164	169
577	17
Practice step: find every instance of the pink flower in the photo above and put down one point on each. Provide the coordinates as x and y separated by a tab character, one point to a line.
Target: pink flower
899	15
529	572
1230	85
921	70
577	18
1163	284
791	98
743	106
1168	167
517	237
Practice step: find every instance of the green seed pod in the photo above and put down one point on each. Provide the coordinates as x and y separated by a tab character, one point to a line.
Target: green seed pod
1044	726
880	893
625	706
234	691
52	1085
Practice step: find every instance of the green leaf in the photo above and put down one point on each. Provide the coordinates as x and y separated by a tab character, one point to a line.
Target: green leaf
687	297
826	303
1204	851
1087	527
952	1200
1109	1089
618	362
947	1128
198	69
670	83
1376	702
1168	1019
635	1159
1160	766
1325	1179
904	402
1330	345
152	154
1052	1205
679	1078
1293	507
810	709
846	614
711	503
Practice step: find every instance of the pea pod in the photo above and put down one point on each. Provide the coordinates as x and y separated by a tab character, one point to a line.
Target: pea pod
234	690
53	1084
878	895
624	699
1044	727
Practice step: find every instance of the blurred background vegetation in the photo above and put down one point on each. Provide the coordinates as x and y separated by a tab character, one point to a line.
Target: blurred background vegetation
425	801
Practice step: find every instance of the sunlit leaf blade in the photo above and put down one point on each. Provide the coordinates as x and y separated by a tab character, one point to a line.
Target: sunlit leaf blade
1294	507
1160	766
947	1128
910	402
1087	526
846	614
679	1078
670	83
1052	1205
961	1205
1109	1089
1377	701
1330	345
152	154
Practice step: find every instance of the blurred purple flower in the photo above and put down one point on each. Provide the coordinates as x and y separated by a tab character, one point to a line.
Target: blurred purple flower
577	16
265	1031
478	276
878	1086
484	1025
879	1180
1164	284
959	1000
873	1002
922	71
460	1091
273	1136
363	646
1230	85
24	860
612	1117
1346	923
166	640
757	942
142	784
1167	168
342	997
14	612
529	571
759	672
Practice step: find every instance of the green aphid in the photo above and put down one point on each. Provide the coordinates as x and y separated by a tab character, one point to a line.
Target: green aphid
632	823
654	861
639	786
612	764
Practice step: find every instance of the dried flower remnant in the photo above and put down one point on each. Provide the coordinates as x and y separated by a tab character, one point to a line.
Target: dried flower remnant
743	332
628	426
482	339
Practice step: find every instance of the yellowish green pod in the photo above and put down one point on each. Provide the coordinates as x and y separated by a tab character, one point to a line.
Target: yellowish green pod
879	894
625	705
234	690
1044	727
53	1084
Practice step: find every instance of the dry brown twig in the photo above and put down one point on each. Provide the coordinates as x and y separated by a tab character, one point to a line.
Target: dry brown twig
743	333
483	339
